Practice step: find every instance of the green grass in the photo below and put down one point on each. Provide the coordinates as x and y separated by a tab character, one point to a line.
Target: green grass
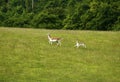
26	56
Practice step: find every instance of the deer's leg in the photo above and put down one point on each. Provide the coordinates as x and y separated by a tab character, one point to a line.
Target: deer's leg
50	42
59	43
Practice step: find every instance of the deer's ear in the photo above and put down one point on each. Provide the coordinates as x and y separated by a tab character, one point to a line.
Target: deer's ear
77	41
48	33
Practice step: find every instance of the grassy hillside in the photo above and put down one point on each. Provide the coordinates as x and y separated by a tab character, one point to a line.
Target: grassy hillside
26	56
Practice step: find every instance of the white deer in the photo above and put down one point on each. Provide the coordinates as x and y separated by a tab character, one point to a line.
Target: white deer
80	44
53	40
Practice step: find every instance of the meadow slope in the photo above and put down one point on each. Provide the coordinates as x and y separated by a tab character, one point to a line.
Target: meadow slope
26	56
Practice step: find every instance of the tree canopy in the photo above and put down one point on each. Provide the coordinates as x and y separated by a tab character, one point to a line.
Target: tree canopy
61	14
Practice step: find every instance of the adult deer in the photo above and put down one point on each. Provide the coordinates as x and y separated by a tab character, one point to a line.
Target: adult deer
54	39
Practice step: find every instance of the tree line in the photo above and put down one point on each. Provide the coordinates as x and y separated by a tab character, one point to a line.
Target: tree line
61	14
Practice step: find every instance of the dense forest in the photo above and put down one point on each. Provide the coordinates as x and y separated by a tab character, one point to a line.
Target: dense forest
61	14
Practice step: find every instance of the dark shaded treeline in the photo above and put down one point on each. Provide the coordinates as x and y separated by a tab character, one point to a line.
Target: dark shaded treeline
61	14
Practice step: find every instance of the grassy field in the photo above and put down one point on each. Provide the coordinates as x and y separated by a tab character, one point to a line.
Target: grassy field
26	56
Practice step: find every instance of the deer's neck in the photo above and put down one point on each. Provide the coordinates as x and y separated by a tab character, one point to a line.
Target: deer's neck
49	37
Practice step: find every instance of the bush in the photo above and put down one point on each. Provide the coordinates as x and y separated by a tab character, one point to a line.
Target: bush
45	20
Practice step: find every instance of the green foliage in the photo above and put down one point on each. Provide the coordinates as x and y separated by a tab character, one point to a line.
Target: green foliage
61	14
19	20
47	19
117	24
